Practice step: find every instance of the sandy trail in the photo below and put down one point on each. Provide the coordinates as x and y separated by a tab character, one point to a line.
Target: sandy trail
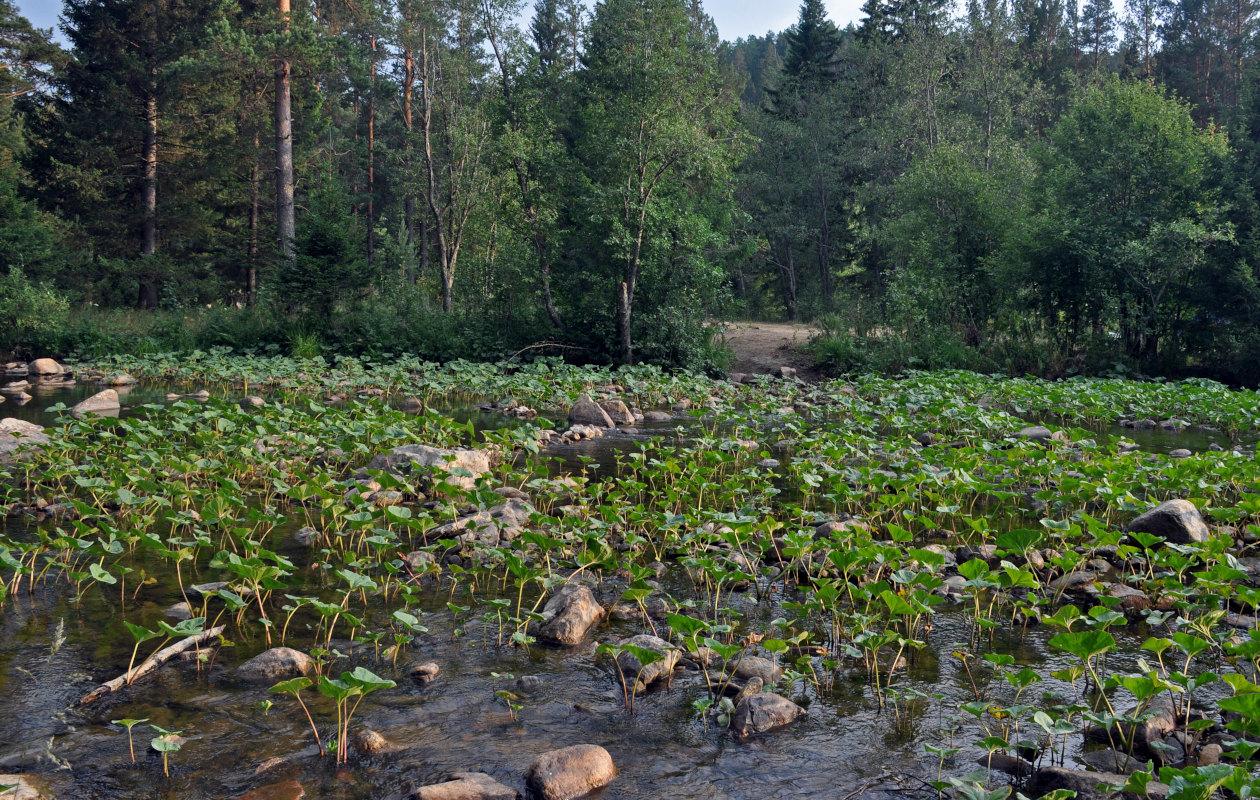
763	347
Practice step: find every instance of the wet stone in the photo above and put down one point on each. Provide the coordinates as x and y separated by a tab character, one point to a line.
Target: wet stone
569	614
570	772
424	674
466	786
274	665
288	790
1178	521
763	712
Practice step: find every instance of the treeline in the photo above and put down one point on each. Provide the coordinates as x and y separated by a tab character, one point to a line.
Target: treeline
374	175
1031	187
1026	187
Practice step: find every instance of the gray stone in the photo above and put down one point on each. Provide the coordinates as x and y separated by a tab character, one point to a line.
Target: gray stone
45	366
306	536
617	411
587	412
1085	784
100	403
491	526
636	675
442	461
23	787
1038	433
570	772
1180	452
657	416
120	379
425	674
761	713
788	373
1132	600
274	665
411	405
466	786
750	667
568	615
18	433
368	742
1178	521
252	401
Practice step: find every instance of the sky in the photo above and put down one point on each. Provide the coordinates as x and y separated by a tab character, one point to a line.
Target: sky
734	18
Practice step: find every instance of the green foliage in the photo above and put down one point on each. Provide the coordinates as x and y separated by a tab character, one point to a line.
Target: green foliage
31	314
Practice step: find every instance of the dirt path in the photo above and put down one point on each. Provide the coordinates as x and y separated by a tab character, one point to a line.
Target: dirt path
763	347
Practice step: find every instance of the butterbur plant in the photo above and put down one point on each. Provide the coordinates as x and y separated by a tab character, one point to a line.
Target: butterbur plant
129	724
294	688
353	685
166	742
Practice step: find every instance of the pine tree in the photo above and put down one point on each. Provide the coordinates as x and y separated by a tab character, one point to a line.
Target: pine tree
1098	29
812	44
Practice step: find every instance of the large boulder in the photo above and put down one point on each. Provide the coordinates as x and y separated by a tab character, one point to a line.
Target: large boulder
410	456
1178	521
275	665
763	712
617	411
45	366
568	615
635	674
18	433
570	772
103	403
749	667
587	412
466	786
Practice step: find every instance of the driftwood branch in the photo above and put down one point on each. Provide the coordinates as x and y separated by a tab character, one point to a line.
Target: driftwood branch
541	345
150	664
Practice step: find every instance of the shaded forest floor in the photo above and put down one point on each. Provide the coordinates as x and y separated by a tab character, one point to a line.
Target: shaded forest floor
763	347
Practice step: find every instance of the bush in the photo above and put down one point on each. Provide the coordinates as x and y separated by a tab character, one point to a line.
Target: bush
31	314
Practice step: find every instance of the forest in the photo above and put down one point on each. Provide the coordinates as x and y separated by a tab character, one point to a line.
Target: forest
1025	187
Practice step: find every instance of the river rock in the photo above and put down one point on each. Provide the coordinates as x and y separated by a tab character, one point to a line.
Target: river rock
412	405
424	674
491	526
99	403
46	366
637	676
587	412
23	788
1178	521
657	416
1132	600
17	433
570	772
306	536
1038	433
617	411
788	373
1161	720
120	379
1180	452
466	786
16	387
763	712
286	790
1085	784
274	665
411	456
252	401
750	667
368	742
569	614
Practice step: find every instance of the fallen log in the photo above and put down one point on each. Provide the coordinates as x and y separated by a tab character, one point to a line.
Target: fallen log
152	663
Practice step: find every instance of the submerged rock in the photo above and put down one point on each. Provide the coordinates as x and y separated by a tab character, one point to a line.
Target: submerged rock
288	790
1038	433
569	614
763	712
368	742
424	674
99	403
1178	521
466	786
1085	784
274	665
570	772
657	416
